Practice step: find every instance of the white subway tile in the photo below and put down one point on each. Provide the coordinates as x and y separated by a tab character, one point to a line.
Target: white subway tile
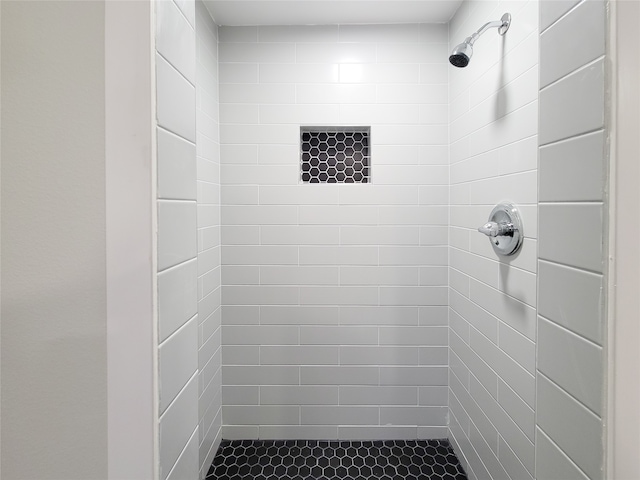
238	73
572	298
573	105
576	430
433	256
378	315
572	362
298	275
379	235
259	295
295	355
299	395
240	195
260	375
187	464
342	255
279	155
240	315
240	235
516	314
299	315
258	134
177	425
413	215
296	115
379	276
380	33
375	355
188	9
295	432
265	255
258	215
412	52
233	154
331	375
176	101
177	297
239	113
383	431
378	395
559	163
176	39
414	415
413	376
241	355
261	415
240	395
299	235
177	232
322	194
338	415
338	335
518	283
521	413
257	93
432	236
560	53
240	432
433	74
298	33
323	295
240	275
366	114
551	461
335	53
411	135
418	336
479	318
246	52
259	175
177	362
176	167
298	73
230	34
437	94
518	347
433	396
568	236
335	94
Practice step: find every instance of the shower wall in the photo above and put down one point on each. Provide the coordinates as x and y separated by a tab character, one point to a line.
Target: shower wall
188	281
492	314
334	295
572	249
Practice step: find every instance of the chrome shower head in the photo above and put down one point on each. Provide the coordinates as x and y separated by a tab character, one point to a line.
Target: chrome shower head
461	54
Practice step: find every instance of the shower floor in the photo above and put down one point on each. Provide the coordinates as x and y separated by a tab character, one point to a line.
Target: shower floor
336	460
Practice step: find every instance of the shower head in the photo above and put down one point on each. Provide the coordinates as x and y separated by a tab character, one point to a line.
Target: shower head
461	54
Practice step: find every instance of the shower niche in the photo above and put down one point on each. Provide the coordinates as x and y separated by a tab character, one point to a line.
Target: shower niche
335	154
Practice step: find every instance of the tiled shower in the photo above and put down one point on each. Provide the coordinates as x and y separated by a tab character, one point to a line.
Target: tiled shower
290	310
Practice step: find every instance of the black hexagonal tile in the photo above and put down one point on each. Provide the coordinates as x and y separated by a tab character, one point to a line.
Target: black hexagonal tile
323	460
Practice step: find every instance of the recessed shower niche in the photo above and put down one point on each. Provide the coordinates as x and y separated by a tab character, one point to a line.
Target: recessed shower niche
335	155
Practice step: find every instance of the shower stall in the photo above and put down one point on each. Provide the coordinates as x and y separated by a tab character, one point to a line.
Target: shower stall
310	265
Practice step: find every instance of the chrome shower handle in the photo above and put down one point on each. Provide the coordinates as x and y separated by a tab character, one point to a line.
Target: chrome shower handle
493	229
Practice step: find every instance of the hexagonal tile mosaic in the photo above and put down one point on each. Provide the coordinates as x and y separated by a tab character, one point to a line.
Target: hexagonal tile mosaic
336	460
334	155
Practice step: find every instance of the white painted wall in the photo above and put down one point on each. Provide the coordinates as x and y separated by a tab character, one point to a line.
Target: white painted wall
624	205
572	244
54	302
130	219
492	299
334	295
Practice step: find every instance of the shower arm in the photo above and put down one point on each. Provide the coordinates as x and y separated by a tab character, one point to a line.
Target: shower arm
502	25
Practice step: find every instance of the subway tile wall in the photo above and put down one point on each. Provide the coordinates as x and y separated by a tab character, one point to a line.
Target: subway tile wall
334	296
188	281
208	221
492	300
178	319
570	365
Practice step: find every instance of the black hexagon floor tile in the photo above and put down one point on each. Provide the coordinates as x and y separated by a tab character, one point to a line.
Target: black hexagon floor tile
336	460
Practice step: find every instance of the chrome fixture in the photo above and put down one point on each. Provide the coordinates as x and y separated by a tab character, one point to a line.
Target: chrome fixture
504	229
462	53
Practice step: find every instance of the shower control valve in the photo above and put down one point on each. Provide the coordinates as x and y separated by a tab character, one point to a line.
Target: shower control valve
504	229
493	229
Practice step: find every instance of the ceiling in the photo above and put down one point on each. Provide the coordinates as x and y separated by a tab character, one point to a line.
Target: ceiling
330	12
